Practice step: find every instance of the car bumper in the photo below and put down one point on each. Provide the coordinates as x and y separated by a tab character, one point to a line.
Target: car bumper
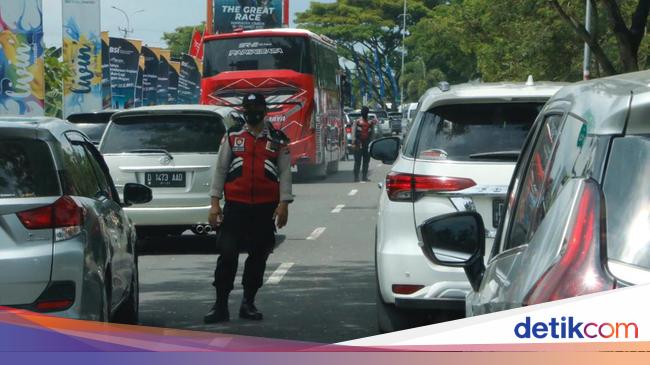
178	216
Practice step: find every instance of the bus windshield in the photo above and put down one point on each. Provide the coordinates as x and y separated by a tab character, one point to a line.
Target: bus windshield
256	53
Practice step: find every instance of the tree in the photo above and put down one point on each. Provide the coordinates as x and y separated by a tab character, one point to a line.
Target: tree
628	39
362	26
56	73
180	39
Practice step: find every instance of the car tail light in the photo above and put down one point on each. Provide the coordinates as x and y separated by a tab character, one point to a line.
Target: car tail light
404	289
54	305
580	270
406	187
57	297
348	130
65	216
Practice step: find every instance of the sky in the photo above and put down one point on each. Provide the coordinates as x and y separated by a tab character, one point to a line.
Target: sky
159	16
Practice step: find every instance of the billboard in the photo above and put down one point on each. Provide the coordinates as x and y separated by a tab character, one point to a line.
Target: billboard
174	74
163	77
106	72
189	80
22	72
150	77
138	83
247	14
124	60
82	52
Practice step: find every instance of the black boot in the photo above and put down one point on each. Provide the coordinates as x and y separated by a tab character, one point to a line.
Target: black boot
219	312
248	309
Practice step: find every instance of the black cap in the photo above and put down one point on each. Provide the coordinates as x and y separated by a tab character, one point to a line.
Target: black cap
254	100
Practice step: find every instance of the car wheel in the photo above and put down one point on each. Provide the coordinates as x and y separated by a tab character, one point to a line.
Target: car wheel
391	318
128	311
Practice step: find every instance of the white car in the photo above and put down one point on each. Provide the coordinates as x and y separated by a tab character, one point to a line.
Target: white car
173	150
460	155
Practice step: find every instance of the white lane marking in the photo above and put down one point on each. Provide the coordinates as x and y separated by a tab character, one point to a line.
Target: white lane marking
279	273
317	233
353	192
338	209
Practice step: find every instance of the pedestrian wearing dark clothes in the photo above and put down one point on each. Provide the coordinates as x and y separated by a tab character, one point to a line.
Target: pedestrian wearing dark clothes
362	132
253	174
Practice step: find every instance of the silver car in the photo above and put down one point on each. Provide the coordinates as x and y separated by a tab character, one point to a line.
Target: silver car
173	150
66	245
577	219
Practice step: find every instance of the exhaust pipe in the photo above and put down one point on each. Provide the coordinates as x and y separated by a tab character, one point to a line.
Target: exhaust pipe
207	229
200	229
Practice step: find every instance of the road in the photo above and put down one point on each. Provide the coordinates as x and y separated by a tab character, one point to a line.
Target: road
320	281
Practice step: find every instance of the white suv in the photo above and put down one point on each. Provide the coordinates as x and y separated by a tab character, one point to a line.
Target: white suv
173	150
459	155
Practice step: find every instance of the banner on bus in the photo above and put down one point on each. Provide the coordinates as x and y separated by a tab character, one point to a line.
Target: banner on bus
174	73
106	72
247	14
196	47
22	58
189	80
150	78
163	77
124	60
82	52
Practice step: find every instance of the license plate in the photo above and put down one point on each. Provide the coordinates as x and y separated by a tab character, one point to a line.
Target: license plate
165	179
498	208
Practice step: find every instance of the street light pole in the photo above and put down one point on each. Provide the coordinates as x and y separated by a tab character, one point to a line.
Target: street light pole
586	70
403	54
128	28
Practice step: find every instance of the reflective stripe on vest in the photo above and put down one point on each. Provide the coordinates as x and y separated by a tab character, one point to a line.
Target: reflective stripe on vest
253	176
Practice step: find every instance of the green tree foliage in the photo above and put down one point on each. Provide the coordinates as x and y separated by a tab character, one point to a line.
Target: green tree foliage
180	39
56	72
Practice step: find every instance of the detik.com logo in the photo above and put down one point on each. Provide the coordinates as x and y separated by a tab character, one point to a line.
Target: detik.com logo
569	327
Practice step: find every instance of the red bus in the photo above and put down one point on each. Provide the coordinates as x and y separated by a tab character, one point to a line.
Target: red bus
299	73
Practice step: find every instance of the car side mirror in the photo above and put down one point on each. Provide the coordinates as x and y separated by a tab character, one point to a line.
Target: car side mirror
137	194
385	150
456	240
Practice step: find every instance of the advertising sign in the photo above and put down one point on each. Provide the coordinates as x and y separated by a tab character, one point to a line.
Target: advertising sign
124	60
196	46
138	83
150	77
189	80
106	72
22	73
82	52
174	73
163	77
247	14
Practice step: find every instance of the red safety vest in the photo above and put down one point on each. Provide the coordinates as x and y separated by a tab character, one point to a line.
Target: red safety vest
253	176
364	129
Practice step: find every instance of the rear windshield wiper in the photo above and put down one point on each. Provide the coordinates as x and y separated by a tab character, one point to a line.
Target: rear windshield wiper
154	150
498	155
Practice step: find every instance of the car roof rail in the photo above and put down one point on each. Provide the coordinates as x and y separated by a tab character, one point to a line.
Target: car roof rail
444	86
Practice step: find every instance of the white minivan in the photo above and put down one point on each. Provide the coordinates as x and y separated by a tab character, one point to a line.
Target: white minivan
172	150
459	155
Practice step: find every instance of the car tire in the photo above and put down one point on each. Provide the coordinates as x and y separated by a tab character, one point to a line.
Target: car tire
391	318
128	311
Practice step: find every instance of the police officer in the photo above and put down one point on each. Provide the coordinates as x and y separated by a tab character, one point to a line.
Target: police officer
254	175
362	135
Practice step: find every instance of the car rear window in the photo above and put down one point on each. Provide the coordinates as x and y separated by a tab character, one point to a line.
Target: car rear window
476	132
172	133
27	169
93	131
627	201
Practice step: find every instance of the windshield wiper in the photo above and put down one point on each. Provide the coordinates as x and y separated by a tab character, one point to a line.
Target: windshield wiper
498	155
154	150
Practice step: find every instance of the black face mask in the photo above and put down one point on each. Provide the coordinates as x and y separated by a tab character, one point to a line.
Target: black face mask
254	118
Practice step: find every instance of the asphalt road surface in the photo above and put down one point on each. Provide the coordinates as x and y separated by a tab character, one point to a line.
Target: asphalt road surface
319	284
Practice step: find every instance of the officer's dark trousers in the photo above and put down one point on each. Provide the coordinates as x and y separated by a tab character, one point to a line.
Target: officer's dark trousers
362	153
245	228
